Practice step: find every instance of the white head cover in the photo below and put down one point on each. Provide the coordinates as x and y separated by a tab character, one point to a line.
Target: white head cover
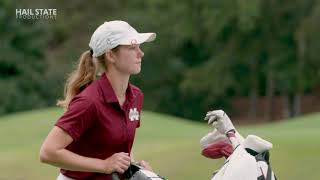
113	33
257	144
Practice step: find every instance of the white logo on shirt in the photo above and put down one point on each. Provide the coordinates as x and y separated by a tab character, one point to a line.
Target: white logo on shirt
133	114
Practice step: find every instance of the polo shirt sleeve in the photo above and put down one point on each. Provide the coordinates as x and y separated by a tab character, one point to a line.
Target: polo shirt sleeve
80	116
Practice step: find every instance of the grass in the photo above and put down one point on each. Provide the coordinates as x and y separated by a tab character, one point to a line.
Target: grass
169	144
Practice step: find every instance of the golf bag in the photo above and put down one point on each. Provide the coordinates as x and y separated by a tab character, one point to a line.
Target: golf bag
245	164
246	159
136	172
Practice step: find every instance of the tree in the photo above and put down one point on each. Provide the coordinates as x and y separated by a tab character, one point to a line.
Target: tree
21	62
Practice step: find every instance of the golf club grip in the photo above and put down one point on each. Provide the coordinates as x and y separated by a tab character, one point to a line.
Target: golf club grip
115	176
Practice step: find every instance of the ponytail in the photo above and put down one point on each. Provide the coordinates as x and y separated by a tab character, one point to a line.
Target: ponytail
79	79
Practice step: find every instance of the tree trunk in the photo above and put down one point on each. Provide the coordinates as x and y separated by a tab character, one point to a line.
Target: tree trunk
296	105
253	103
253	92
286	106
269	113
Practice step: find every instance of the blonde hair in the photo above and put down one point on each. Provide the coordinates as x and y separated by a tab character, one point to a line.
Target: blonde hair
87	70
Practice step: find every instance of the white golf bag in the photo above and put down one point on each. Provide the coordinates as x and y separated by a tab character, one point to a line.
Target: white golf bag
248	160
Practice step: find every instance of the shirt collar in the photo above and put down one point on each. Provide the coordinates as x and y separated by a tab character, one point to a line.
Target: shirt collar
108	93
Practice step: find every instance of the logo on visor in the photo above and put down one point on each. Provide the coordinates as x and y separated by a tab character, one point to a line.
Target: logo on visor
134	41
133	114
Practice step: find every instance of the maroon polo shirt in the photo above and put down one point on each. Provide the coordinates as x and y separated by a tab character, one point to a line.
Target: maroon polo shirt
99	126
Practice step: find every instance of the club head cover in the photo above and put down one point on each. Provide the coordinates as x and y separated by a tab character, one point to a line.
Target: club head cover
217	150
257	144
211	138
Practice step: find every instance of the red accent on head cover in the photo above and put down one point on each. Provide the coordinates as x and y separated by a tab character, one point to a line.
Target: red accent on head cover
217	150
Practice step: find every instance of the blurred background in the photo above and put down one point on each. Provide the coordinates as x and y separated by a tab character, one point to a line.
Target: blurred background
257	60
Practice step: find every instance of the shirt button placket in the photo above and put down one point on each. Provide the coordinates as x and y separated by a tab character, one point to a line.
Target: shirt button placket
125	124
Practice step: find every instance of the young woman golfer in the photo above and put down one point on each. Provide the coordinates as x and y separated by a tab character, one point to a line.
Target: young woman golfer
94	137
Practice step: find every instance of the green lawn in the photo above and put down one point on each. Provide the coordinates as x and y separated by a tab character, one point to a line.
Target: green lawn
170	144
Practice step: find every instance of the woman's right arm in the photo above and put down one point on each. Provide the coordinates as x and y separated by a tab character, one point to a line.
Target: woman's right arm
53	152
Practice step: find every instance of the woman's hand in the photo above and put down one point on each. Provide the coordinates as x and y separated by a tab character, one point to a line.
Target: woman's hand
145	165
118	162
